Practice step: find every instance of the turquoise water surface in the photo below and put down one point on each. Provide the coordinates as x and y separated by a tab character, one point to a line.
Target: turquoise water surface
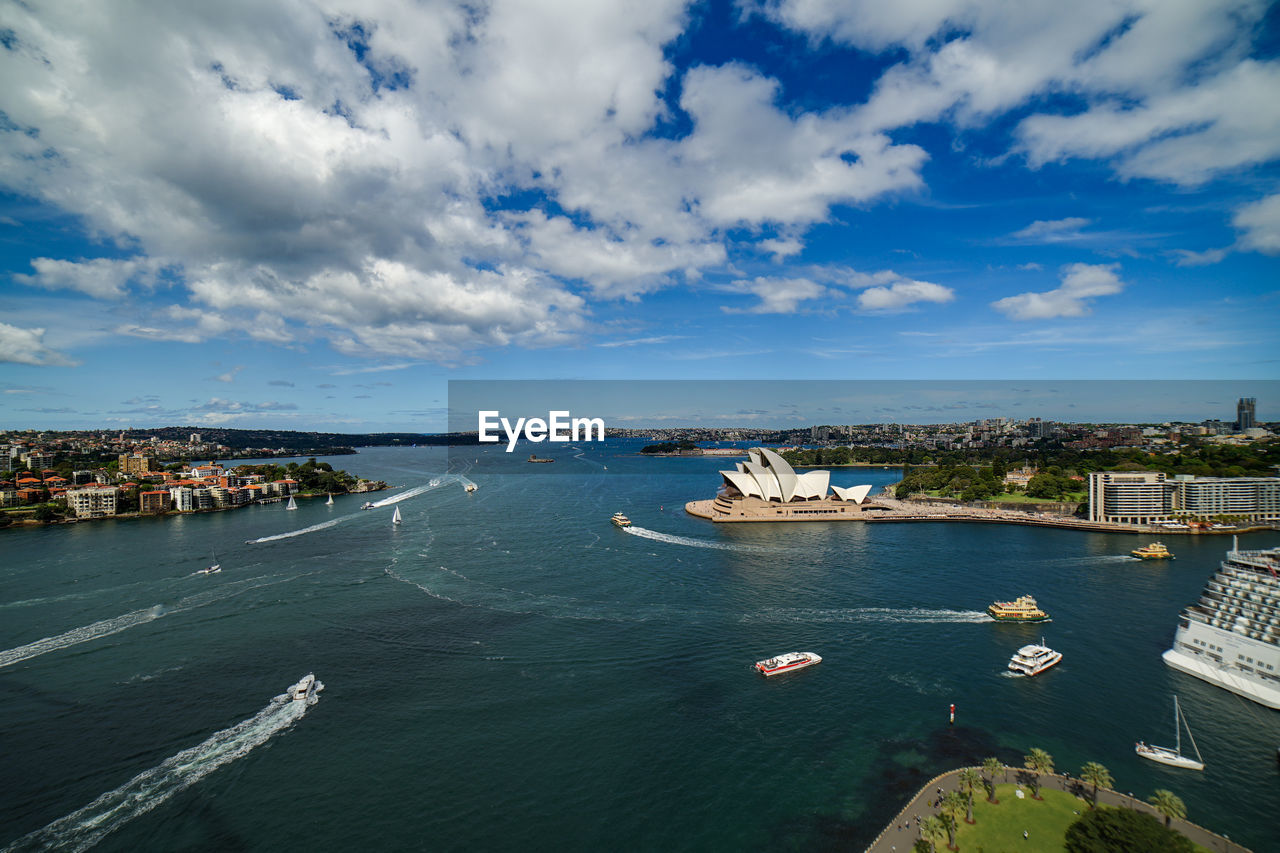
508	671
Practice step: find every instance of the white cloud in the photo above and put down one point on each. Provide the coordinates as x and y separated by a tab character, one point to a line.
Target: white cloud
1080	283
902	294
104	278
26	346
777	295
1052	230
1260	223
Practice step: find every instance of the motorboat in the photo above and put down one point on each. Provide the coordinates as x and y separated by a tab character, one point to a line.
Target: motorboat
620	520
1033	659
470	487
367	505
1173	757
1022	609
300	691
786	662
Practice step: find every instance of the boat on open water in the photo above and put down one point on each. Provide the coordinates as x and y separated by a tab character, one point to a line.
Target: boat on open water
787	662
620	520
1154	551
1033	659
1173	757
1022	609
304	688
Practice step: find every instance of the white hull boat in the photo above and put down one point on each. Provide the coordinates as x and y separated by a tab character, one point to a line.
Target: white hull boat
292	503
1033	659
1173	757
786	663
305	688
395	519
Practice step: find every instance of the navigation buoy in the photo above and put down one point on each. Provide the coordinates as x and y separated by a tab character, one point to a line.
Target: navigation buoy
953	714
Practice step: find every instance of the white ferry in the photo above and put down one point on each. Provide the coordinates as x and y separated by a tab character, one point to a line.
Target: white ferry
1033	659
302	689
1231	636
787	662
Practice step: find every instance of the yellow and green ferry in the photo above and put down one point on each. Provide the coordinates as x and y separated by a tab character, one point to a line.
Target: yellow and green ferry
1023	609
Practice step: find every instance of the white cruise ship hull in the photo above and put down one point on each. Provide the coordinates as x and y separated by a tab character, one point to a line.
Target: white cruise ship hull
1226	677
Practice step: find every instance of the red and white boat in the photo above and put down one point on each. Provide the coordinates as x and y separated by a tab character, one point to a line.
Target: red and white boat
787	662
1033	659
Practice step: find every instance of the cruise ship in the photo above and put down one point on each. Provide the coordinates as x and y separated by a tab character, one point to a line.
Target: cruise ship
1231	636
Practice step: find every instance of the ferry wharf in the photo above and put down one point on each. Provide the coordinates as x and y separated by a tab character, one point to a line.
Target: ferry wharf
903	831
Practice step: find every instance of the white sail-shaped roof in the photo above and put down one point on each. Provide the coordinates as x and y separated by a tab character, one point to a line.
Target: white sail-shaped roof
853	494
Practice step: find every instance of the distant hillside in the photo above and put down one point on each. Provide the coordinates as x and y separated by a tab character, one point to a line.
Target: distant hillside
239	439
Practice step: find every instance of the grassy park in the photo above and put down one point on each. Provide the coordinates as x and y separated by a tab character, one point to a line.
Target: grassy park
999	828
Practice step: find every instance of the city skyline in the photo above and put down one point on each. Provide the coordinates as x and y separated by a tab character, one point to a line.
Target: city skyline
314	218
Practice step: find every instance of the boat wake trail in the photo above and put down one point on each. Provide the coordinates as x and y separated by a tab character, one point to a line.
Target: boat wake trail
324	525
84	634
107	627
913	615
645	533
84	828
434	483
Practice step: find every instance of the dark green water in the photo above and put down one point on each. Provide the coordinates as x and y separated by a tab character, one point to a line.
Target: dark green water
508	671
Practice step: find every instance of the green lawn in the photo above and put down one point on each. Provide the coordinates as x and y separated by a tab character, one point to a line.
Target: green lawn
999	828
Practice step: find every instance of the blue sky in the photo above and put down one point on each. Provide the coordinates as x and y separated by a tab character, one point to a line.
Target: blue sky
314	215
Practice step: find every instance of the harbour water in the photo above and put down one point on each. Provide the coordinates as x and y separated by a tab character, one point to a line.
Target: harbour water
506	670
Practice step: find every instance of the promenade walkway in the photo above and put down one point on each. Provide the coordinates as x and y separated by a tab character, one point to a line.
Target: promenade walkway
902	832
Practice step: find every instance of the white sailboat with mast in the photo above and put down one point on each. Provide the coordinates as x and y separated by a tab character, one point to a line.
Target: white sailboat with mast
395	519
330	501
1173	757
292	503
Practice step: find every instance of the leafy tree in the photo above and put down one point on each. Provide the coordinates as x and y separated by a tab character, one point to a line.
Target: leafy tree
46	513
1168	804
933	830
952	806
992	766
1112	830
1097	776
1037	761
969	780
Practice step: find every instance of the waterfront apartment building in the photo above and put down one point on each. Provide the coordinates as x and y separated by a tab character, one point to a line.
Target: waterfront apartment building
93	502
1254	498
1144	497
153	501
1129	497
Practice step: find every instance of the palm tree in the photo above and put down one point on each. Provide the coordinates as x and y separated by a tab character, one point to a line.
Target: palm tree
969	780
933	830
1097	776
952	807
992	766
1037	761
1168	804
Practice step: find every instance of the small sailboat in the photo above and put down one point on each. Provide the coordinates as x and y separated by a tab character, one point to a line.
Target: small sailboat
213	568
395	519
330	501
1173	757
292	503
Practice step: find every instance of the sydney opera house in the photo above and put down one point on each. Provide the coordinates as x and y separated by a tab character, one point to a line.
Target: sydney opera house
766	488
